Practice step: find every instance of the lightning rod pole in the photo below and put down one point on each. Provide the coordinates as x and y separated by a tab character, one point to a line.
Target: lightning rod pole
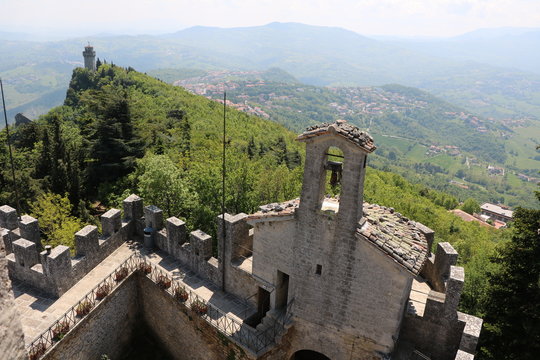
15	190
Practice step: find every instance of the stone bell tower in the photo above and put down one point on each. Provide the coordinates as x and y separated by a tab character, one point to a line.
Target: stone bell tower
355	146
326	251
89	58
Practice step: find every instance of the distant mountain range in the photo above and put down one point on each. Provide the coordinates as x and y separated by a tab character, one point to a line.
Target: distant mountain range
313	54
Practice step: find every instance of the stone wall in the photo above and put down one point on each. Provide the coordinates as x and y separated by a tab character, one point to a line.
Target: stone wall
11	335
442	332
193	249
105	330
56	271
329	341
236	249
183	333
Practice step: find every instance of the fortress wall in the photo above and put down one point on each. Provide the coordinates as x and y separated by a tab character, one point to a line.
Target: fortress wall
193	249
328	341
56	271
443	331
11	334
106	329
183	333
235	250
436	269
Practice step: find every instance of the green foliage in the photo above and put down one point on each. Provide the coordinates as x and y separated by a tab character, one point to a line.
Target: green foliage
471	206
160	182
427	206
512	314
55	220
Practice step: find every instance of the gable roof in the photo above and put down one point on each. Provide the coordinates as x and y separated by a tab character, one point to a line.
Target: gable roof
350	132
401	239
497	210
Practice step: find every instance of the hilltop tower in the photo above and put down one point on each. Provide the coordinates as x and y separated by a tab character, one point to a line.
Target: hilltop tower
89	58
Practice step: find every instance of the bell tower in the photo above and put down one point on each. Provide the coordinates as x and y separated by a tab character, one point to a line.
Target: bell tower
89	58
325	248
355	145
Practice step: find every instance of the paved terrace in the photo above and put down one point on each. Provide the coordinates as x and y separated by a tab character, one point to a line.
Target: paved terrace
39	311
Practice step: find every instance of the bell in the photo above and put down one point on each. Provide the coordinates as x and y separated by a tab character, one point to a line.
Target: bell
335	167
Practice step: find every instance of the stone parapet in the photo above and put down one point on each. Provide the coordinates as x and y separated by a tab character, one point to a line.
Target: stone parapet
54	271
153	217
436	269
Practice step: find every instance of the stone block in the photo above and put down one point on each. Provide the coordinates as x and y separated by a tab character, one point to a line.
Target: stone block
462	355
237	236
133	207
454	286
8	217
445	257
176	231
29	229
201	244
471	332
26	253
153	217
6	240
434	305
111	222
86	241
58	263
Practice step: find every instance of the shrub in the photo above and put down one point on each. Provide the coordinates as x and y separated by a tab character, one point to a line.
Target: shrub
145	268
181	294
83	308
164	282
121	274
200	307
60	330
37	350
103	291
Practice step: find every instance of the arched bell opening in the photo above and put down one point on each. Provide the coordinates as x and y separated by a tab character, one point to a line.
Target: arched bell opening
333	165
308	355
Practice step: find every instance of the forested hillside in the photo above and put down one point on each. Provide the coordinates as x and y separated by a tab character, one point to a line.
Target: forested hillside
424	138
120	131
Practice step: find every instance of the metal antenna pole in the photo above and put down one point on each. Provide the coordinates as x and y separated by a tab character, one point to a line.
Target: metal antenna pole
16	191
223	185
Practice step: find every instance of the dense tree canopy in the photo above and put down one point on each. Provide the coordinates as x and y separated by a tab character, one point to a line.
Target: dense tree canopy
512	314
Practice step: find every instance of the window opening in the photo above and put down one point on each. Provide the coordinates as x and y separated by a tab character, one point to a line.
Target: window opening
334	170
318	270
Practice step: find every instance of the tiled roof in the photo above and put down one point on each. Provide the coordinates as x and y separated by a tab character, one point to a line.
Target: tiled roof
496	209
401	239
395	235
344	129
275	210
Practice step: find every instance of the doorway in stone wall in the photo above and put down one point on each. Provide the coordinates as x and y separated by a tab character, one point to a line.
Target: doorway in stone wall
263	302
308	355
282	290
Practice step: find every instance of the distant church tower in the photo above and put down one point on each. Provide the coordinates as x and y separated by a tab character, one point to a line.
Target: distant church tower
89	58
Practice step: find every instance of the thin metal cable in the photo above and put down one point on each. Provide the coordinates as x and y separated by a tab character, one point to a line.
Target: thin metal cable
15	190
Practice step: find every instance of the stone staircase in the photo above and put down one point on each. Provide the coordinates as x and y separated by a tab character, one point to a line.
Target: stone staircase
274	325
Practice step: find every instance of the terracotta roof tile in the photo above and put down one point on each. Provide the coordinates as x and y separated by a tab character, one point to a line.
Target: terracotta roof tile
350	132
395	235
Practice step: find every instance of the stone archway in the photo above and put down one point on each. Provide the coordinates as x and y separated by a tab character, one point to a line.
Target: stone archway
308	355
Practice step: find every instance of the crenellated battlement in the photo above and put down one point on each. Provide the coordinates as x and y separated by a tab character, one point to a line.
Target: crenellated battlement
54	270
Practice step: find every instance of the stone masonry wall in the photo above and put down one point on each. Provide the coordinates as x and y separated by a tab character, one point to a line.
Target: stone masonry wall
11	334
443	332
183	333
106	330
56	271
193	249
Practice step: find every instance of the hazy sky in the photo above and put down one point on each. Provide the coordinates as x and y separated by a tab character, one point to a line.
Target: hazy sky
385	17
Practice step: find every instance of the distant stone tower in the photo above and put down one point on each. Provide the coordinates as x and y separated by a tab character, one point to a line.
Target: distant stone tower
89	58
